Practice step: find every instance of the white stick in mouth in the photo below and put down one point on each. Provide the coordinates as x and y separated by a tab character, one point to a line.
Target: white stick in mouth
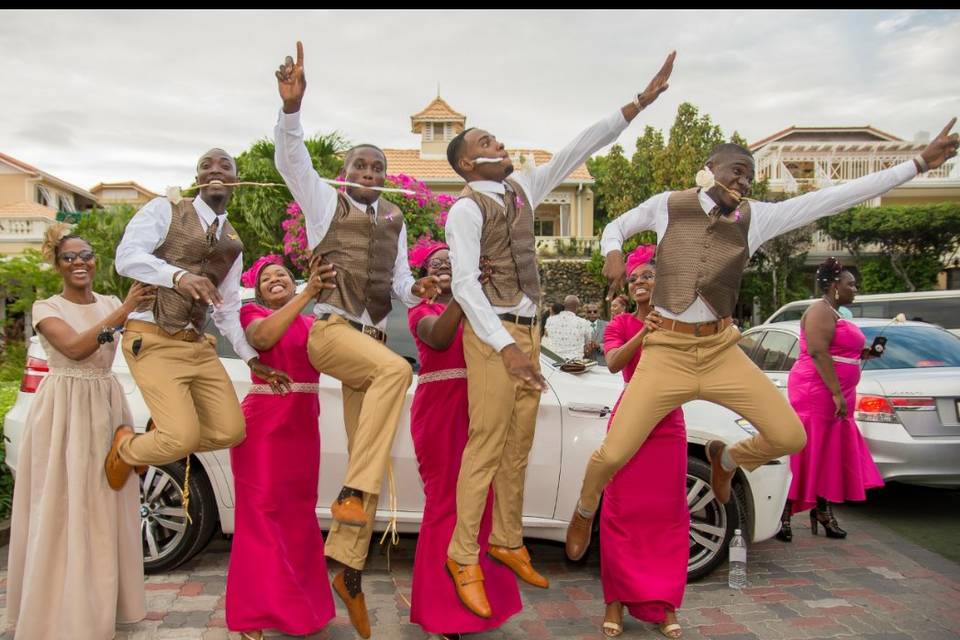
174	194
483	160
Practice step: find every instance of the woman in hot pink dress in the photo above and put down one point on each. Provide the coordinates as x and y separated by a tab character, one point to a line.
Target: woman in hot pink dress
835	465
438	422
644	523
277	578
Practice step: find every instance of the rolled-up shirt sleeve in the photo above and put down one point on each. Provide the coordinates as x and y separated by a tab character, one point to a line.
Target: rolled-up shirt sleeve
463	229
145	232
227	316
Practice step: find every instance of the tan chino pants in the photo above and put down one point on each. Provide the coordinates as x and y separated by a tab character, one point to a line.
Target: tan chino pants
503	417
676	368
374	382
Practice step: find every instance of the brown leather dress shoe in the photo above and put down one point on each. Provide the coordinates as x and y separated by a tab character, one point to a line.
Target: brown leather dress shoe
578	535
356	606
519	561
720	478
349	511
116	469
468	581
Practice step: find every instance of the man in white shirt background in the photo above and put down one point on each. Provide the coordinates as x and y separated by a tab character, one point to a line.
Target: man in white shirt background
594	350
191	253
493	219
705	238
569	333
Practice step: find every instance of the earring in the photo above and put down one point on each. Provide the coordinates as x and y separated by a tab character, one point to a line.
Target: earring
836	295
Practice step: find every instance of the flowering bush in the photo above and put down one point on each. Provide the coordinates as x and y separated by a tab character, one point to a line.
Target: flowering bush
424	212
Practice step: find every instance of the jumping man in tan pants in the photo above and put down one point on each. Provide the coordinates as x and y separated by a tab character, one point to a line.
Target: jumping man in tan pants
706	236
192	254
365	239
492	225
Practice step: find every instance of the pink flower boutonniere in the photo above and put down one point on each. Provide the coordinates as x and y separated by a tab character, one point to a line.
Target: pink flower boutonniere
518	201
736	215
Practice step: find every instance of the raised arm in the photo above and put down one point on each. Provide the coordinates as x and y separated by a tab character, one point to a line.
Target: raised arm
544	179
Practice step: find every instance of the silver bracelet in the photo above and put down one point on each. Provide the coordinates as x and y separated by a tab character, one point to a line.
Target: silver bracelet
921	163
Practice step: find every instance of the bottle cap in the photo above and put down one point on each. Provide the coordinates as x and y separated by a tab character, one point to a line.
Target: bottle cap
736	532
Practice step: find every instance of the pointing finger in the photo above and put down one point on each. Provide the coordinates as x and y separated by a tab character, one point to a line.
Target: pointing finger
299	53
946	129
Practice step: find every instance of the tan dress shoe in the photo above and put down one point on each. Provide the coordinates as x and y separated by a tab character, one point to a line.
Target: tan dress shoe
356	606
468	581
720	478
579	533
349	511
519	561
116	469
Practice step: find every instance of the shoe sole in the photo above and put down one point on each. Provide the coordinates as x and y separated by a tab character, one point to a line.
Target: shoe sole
532	584
460	598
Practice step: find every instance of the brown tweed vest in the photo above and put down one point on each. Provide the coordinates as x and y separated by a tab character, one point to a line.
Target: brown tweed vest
186	247
364	253
700	255
508	246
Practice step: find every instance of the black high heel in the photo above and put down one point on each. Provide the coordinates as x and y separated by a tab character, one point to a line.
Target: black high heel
785	533
823	515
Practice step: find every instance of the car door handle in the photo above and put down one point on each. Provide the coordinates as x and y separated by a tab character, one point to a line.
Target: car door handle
780	384
601	411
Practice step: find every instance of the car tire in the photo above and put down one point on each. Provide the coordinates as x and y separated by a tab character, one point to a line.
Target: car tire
711	523
168	539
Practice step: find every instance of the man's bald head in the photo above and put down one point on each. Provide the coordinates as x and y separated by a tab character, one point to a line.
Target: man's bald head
215	154
571	303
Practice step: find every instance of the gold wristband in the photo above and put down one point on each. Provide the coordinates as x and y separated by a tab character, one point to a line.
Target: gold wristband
178	276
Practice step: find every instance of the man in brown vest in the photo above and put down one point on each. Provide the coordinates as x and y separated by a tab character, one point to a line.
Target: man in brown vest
192	254
492	224
365	238
706	237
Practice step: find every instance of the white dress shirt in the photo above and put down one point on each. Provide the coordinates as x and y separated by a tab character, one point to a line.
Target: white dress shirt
465	224
134	259
767	219
318	201
568	334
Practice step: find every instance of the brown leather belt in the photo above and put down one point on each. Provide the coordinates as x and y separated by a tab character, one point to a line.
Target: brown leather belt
524	321
186	335
699	329
365	329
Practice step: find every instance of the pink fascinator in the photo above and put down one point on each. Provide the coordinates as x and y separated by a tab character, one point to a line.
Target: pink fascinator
249	277
641	255
422	249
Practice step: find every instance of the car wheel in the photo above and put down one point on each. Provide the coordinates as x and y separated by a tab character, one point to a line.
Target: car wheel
711	523
168	538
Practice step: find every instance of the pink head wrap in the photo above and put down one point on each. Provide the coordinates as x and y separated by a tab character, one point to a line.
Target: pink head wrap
641	255
422	249
249	277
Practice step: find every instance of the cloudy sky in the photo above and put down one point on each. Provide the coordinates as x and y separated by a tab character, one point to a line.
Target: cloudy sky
101	96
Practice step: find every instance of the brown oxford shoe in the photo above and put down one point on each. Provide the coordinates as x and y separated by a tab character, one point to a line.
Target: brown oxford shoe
468	581
519	561
579	532
349	511
720	478
356	606
116	469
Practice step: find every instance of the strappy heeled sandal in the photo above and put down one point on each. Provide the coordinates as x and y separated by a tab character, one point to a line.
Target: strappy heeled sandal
249	635
613	629
672	630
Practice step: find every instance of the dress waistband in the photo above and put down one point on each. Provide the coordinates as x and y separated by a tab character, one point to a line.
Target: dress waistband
295	387
76	372
441	374
844	360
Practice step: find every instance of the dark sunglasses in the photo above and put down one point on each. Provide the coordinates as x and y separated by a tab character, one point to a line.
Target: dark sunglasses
69	256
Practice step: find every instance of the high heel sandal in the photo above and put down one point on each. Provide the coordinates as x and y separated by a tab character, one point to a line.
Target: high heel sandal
613	629
824	516
251	635
671	630
785	533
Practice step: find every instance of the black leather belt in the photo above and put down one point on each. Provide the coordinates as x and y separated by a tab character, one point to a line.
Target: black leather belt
525	321
365	329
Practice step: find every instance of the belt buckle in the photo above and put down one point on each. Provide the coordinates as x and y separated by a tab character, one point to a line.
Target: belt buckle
371	331
696	329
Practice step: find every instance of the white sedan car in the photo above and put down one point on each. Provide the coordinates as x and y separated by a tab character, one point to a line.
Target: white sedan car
571	424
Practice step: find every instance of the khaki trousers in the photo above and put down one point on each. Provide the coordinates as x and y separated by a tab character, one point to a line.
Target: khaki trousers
503	417
374	382
676	368
190	396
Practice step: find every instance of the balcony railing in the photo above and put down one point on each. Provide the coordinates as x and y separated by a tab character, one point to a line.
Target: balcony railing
566	246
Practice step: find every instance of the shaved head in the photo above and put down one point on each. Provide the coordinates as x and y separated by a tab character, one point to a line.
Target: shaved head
571	303
353	150
216	152
728	151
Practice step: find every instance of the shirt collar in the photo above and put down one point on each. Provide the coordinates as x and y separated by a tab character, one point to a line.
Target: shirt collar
706	201
206	213
363	207
488	187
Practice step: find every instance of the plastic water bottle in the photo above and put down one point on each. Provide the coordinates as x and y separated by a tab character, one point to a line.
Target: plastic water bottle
737	578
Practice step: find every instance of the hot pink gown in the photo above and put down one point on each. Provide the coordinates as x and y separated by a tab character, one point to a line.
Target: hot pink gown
277	578
644	520
836	464
438	423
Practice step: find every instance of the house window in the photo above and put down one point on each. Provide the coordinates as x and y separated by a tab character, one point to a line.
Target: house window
65	203
439	131
43	196
543	227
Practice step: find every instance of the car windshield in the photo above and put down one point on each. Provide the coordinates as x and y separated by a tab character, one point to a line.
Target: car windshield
914	347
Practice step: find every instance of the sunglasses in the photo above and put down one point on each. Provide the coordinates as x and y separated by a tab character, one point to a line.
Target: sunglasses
69	256
436	263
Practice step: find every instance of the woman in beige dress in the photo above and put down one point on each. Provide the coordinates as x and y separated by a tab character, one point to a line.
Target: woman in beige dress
76	561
